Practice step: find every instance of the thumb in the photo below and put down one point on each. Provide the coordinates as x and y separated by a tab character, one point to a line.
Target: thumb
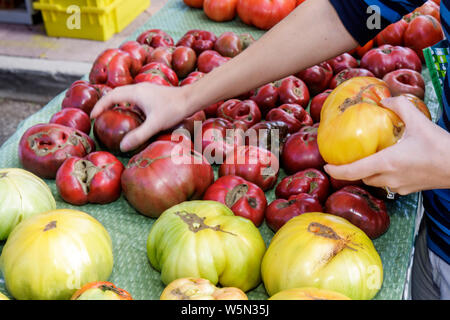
140	135
404	108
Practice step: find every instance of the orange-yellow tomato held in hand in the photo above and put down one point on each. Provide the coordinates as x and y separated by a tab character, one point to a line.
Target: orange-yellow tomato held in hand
200	289
354	124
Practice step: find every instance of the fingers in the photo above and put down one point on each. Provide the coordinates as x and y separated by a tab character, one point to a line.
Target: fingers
118	95
140	135
360	169
405	109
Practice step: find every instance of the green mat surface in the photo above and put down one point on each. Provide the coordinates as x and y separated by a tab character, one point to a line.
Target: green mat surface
129	230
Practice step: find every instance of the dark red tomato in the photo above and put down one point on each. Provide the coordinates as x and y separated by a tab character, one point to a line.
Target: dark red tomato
254	164
264	14
139	53
301	152
310	181
44	147
162	55
218	138
220	10
281	211
192	77
176	137
393	34
199	40
266	97
317	77
155	38
211	110
342	62
317	104
293	90
234	109
163	175
191	122
102	89
74	118
92	179
229	44
405	81
361	209
292	114
347	74
161	70
114	68
194	3
339	184
113	124
184	61
152	78
387	58
209	60
423	32
81	95
244	198
269	135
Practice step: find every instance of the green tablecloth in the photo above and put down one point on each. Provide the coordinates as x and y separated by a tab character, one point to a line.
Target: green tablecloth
129	230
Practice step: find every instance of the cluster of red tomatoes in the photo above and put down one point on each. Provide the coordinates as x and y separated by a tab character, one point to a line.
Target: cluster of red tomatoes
280	116
262	14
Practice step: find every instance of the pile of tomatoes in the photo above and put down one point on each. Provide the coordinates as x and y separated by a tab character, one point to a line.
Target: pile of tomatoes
277	122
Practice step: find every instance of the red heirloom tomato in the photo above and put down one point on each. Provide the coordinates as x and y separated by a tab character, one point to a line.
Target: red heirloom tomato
360	208
44	147
281	211
102	89
405	81
209	60
362	50
293	90
310	181
162	55
218	138
199	40
211	110
291	114
301	151
393	34
244	198
387	58
317	104
192	77
138	52
347	74
254	164
317	78
220	10
342	62
101	290
430	8
81	95
264	14
114	68
176	138
263	135
423	32
194	3
163	175
92	179
266	97
299	2
189	123
152	78
74	118
229	44
155	38
113	124
184	61
247	111
161	70
339	184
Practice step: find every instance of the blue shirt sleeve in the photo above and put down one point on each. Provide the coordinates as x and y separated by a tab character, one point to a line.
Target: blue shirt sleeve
358	15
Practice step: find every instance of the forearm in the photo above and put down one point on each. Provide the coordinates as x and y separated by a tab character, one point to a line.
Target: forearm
312	33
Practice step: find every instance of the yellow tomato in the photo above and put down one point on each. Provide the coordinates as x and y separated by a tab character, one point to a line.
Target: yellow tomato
308	294
3	297
200	289
353	123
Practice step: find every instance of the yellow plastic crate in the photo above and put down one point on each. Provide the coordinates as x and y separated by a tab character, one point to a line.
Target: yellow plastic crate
88	19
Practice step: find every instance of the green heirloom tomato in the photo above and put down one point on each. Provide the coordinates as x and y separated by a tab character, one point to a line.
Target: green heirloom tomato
322	251
204	239
22	195
51	255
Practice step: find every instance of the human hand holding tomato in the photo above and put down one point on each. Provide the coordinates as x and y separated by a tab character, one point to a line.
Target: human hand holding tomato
424	149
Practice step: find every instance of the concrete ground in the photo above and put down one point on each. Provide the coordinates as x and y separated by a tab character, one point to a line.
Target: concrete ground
34	67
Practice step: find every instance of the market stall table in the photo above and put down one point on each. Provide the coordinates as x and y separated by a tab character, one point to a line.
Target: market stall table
129	230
